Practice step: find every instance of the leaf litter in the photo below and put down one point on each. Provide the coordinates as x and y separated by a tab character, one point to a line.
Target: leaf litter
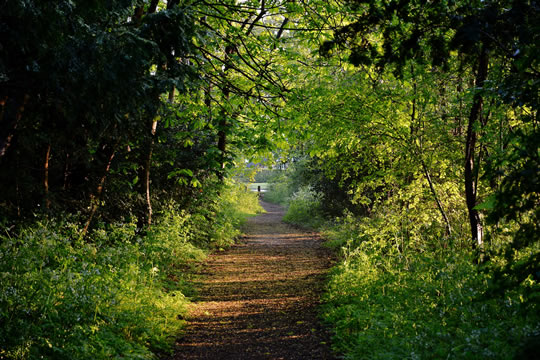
259	299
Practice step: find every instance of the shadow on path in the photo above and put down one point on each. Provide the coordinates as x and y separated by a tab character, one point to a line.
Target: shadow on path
259	299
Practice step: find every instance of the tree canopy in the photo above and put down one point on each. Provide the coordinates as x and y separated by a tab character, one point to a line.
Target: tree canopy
424	111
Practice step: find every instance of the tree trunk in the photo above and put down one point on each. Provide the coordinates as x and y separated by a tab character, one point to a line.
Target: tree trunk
148	161
436	197
96	197
11	126
222	143
471	166
223	124
137	16
150	149
148	165
153	6
46	176
419	153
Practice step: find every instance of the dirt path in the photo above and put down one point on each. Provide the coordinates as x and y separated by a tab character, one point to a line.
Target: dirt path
259	299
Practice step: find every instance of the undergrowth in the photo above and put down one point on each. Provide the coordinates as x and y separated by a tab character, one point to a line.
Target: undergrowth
304	208
406	289
304	205
386	302
279	191
114	294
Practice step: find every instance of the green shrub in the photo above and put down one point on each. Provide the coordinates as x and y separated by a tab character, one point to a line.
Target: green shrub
63	298
386	302
279	191
218	224
115	294
304	208
267	175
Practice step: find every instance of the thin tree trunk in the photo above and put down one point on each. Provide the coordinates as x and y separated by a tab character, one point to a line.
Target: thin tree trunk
223	123
419	153
147	160
222	142
46	176
5	142
148	166
66	172
147	174
96	197
148	163
436	197
139	10
471	166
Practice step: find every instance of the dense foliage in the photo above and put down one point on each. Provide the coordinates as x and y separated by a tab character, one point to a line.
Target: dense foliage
111	173
423	157
408	130
387	303
113	294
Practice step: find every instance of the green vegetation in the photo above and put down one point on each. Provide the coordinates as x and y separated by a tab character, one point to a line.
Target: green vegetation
405	289
408	130
116	293
304	205
427	174
385	302
278	192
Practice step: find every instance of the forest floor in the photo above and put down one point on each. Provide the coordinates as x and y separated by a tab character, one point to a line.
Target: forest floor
259	299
